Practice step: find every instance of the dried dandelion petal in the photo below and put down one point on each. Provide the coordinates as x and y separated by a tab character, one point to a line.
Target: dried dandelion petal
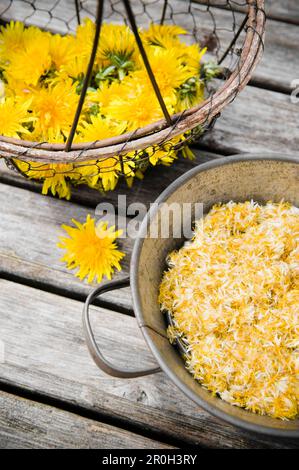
233	293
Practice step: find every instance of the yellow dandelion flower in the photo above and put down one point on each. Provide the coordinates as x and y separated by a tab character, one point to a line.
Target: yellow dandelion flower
80	47
85	36
190	94
11	39
159	155
75	60
92	249
101	173
42	75
75	67
163	35
109	172
191	55
55	177
57	183
17	89
33	34
111	168
136	104
55	108
116	40
14	37
103	95
105	173
241	341
99	128
2	91
62	50
33	61
166	36
13	116
168	71
106	170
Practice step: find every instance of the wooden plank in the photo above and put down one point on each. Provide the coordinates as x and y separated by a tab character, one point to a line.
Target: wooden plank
280	63
285	11
30	225
29	237
25	424
257	121
281	49
281	39
45	353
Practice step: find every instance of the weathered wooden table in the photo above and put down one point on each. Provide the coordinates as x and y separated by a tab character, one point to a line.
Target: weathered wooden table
52	394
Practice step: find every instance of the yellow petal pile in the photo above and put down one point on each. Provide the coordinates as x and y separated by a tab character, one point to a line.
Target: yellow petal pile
233	293
41	80
91	249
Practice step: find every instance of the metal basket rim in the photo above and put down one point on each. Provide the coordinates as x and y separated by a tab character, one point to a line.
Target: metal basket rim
157	132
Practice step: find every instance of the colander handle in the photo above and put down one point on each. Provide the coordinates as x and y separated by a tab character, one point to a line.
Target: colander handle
93	348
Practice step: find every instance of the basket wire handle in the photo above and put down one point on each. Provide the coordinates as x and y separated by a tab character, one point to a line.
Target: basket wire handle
93	348
147	65
99	20
234	40
77	6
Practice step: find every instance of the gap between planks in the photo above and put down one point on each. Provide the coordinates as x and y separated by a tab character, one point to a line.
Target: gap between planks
31	224
46	355
257	121
25	424
283	11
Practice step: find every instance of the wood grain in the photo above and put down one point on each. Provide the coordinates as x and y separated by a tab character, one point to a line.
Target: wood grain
30	230
288	10
30	226
280	62
285	11
45	352
25	424
48	355
257	121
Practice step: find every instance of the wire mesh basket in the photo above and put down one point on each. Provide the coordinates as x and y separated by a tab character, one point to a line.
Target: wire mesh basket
231	34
